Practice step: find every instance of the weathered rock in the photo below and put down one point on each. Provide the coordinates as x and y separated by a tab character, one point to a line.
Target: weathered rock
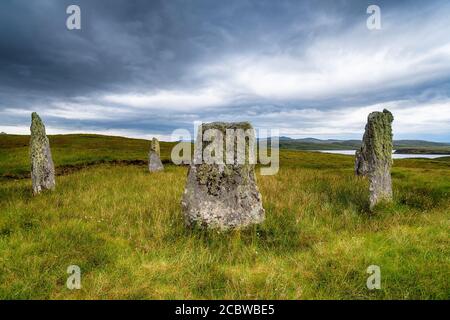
374	159
360	164
222	195
42	168
154	160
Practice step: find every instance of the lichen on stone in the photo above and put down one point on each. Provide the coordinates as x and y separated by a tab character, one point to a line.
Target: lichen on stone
222	195
374	159
154	160
42	167
154	146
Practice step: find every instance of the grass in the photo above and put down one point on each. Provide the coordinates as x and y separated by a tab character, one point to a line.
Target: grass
124	228
70	152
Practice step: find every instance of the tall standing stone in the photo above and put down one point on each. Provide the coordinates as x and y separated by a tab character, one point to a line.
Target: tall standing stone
374	159
222	195
42	168
154	160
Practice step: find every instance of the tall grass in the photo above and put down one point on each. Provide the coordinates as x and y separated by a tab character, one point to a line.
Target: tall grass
124	228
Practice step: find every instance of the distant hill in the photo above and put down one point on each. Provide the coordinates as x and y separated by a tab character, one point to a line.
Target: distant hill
414	146
419	143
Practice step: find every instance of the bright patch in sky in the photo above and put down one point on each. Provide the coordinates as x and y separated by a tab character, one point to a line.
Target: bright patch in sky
305	68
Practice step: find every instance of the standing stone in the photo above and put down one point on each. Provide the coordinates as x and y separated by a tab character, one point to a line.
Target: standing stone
154	160
374	159
42	168
222	195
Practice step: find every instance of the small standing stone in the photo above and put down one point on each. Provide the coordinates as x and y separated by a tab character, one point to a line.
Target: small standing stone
222	195
154	160
42	168
374	159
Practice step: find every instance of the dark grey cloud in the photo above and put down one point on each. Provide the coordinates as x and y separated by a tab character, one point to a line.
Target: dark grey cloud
153	66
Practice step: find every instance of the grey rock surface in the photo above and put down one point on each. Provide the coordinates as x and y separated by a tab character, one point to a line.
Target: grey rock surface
42	168
361	168
222	196
154	160
374	159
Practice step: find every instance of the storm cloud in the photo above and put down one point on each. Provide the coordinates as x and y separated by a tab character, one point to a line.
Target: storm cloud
144	68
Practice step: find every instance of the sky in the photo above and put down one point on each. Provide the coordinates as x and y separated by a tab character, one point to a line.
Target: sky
146	68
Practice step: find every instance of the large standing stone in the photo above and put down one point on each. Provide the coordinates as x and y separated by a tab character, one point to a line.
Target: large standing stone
374	159
222	195
42	168
154	160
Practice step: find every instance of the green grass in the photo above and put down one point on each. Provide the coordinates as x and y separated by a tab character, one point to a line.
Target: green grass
124	228
73	151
